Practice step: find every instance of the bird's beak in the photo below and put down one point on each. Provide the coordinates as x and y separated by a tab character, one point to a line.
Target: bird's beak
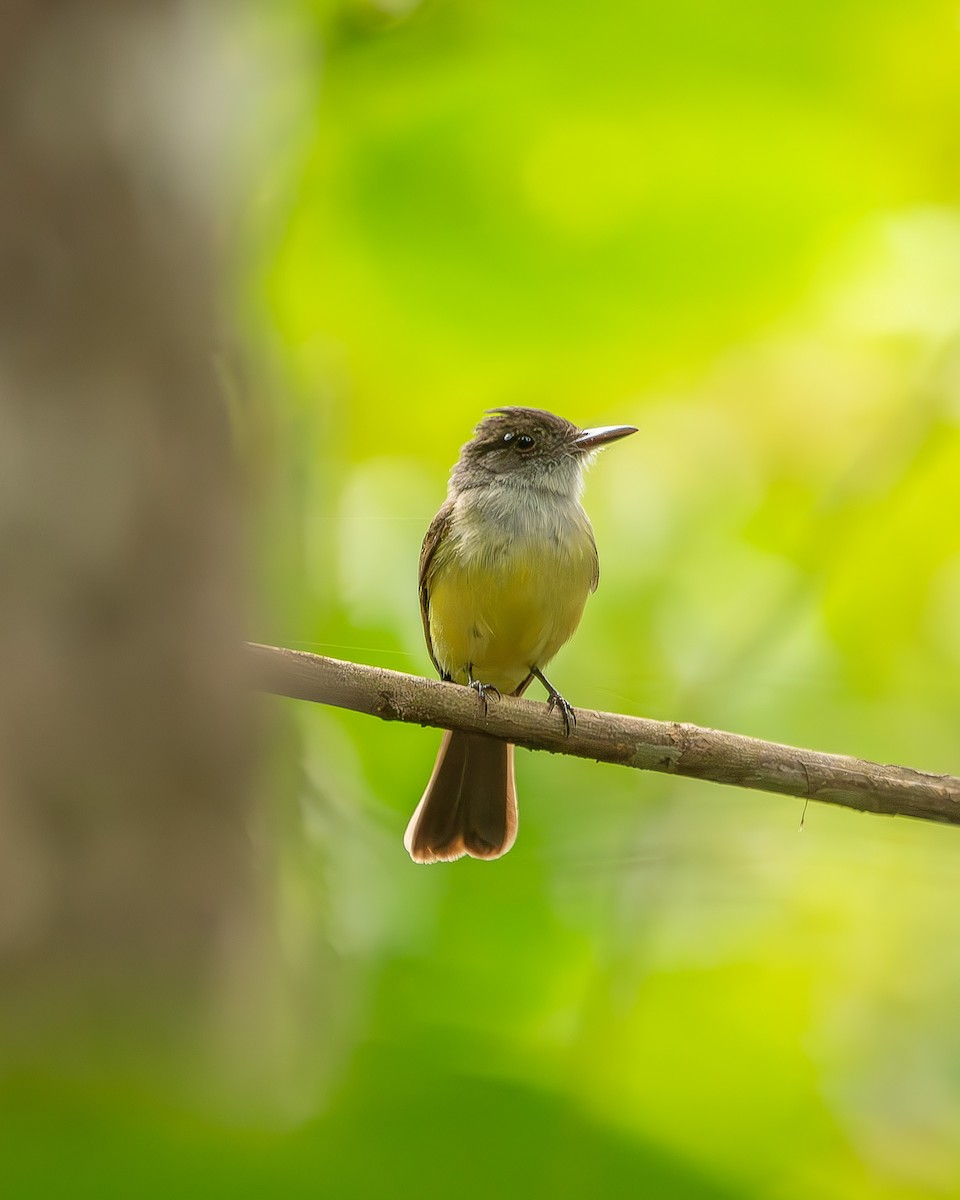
590	439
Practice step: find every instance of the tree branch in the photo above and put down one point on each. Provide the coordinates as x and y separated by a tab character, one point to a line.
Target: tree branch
667	746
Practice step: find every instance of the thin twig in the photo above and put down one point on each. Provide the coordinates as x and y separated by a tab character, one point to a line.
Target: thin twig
667	746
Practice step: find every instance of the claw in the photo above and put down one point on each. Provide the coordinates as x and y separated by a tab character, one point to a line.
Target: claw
566	711
483	690
555	700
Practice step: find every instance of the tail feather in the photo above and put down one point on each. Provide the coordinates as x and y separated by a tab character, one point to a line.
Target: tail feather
470	804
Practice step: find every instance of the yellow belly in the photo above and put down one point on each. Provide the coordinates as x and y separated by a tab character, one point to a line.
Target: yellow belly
499	615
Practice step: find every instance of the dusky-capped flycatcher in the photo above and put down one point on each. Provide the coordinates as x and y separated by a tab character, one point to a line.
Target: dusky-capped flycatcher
505	570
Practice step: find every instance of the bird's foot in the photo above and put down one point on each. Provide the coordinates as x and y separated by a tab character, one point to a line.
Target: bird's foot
555	700
483	690
566	711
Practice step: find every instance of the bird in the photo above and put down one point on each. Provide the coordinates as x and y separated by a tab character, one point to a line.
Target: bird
505	570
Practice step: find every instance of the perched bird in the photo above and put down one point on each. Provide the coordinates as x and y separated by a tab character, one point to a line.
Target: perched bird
505	571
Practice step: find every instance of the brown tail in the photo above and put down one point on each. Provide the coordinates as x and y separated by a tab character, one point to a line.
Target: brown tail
470	804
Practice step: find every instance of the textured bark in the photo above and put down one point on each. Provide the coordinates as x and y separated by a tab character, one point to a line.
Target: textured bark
667	746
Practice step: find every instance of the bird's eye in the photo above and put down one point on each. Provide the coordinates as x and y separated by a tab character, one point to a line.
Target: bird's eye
508	438
525	442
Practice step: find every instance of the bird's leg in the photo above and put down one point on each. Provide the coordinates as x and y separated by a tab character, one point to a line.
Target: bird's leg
483	690
556	701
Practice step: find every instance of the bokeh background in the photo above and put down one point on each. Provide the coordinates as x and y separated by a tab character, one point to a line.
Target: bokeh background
735	226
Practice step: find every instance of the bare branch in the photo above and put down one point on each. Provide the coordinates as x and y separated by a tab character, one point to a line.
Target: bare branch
667	746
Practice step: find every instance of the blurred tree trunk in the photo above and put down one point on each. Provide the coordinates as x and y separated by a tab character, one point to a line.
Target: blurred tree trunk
124	874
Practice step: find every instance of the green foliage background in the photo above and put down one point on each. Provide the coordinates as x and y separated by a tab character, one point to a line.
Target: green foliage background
733	225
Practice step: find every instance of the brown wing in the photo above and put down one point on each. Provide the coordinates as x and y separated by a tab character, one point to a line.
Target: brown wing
434	536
